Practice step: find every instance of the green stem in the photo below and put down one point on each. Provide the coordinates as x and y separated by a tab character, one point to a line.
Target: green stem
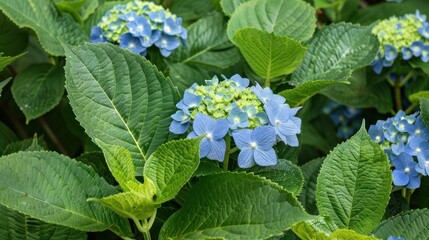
406	78
227	152
139	225
408	195
146	235
390	81
149	225
404	192
233	150
397	92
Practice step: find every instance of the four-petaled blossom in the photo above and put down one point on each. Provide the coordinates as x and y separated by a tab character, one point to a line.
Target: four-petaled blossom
266	94
238	119
283	119
256	146
405	173
422	166
97	35
213	144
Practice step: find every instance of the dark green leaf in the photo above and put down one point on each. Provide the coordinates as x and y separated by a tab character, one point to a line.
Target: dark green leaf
13	40
310	170
38	89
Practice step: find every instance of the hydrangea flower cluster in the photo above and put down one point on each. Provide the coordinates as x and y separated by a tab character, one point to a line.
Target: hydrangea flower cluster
347	119
255	117
395	238
405	38
139	25
405	139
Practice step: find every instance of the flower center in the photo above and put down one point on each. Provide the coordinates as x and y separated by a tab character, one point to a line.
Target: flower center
167	28
427	163
401	127
253	145
140	28
236	120
209	136
277	122
417	132
164	42
131	45
377	138
418	150
407	170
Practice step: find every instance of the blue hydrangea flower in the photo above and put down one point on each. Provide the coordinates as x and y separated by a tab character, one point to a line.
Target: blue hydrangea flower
188	102
420	130
395	238
97	35
390	52
266	94
213	145
239	81
238	119
132	43
417	48
140	27
283	119
376	132
425	54
423	163
377	64
407	54
256	146
148	22
180	123
405	173
416	146
424	31
167	44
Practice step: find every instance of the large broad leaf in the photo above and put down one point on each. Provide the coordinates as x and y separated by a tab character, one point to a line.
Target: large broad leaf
234	206
354	184
13	40
120	98
38	89
361	93
79	9
408	225
54	188
191	10
415	97
95	18
17	226
285	173
299	95
354	47
171	166
269	55
310	170
28	145
292	18
51	27
207	45
229	6
424	106
314	229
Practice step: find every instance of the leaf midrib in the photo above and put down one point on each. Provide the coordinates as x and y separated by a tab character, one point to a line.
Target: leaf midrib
114	108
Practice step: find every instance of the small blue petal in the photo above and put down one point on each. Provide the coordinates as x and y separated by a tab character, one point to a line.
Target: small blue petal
264	136
157	17
242	138
407	54
217	150
245	158
417	48
171	27
265	158
178	128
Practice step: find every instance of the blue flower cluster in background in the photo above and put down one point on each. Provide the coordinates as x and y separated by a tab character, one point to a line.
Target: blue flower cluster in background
395	238
347	119
405	140
254	117
138	26
401	38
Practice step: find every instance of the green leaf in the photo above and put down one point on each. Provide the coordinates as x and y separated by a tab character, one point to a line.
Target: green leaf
17	226
120	164
3	84
207	167
310	170
28	145
5	60
97	162
355	47
314	229
57	193
218	208
361	93
207	45
415	97
424	107
420	64
183	76
38	89
191	10
229	6
13	40
354	184
408	225
135	205
345	234
7	136
171	166
51	27
291	18
284	173
269	55
129	100
70	6
299	95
